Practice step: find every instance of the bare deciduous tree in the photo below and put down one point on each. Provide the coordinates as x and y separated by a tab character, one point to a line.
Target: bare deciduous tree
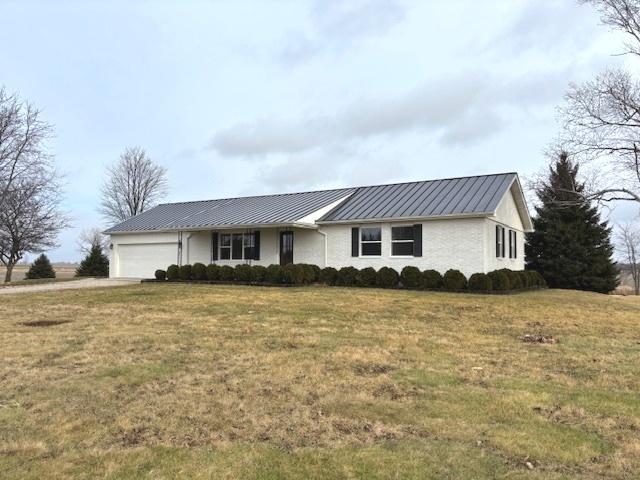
629	245
90	238
134	184
22	138
601	118
30	219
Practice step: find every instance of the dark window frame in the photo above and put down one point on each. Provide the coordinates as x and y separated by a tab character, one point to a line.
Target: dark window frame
362	243
410	240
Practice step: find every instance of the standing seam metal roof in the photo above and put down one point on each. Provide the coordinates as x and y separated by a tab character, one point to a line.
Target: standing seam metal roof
444	197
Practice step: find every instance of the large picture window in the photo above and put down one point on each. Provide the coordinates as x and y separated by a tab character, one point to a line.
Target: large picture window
237	246
371	242
402	241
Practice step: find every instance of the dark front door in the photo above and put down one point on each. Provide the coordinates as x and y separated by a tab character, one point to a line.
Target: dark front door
286	248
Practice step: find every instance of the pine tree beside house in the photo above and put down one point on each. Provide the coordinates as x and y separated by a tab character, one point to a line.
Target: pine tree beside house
95	264
40	268
571	247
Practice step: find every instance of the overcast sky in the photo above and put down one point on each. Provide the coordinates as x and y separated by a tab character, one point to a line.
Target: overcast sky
249	97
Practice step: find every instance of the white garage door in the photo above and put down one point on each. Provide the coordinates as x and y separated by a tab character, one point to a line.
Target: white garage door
143	259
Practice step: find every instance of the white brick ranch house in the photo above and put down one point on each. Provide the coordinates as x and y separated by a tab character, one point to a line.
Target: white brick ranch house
474	224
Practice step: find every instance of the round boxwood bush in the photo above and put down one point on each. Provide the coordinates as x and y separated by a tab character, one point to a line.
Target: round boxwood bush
213	272
308	273
431	280
275	274
480	282
329	276
367	277
387	277
259	273
227	273
347	276
500	280
185	272
243	273
454	280
411	277
173	273
514	279
536	279
525	279
315	269
160	275
199	271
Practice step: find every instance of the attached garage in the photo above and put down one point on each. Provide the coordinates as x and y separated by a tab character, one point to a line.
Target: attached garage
143	259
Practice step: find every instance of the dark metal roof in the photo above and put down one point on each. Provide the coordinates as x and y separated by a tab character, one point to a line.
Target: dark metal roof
451	196
260	210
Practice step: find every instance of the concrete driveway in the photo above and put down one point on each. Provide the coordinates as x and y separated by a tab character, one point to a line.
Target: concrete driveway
81	283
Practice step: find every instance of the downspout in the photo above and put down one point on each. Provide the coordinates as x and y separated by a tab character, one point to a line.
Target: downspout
326	249
188	247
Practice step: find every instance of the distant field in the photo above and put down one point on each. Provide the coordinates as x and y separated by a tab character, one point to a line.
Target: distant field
199	381
20	271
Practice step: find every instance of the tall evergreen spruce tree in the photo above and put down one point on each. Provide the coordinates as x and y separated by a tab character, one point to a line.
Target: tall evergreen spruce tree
95	264
40	268
570	246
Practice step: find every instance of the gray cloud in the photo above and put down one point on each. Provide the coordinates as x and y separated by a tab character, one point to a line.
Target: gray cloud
457	112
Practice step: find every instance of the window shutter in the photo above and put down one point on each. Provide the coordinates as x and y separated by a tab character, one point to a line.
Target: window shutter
515	244
214	246
417	240
503	245
497	240
256	245
355	241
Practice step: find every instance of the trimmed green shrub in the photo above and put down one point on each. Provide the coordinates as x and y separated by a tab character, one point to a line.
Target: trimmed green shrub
227	273
243	273
213	272
454	280
411	277
199	271
173	273
308	273
514	279
329	276
367	277
275	274
500	280
480	282
525	279
160	275
258	273
316	273
295	274
536	279
431	280
40	268
387	278
95	264
347	276
186	272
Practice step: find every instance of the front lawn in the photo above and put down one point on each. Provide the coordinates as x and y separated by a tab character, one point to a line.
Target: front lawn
202	381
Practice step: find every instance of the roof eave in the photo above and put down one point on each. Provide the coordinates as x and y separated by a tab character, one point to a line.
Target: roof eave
406	219
206	228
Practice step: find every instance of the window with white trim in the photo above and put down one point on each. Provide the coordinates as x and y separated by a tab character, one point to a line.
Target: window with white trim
402	241
513	246
237	246
500	244
371	242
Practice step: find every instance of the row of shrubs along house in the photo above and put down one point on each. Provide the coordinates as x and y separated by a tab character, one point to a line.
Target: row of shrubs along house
470	224
304	274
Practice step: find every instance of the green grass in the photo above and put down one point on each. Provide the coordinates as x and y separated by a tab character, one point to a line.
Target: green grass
200	381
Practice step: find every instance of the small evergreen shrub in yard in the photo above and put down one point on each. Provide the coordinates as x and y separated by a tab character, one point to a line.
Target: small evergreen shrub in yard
367	277
347	276
275	274
431	280
213	272
259	273
514	279
295	274
185	272
388	278
95	264
160	275
411	277
308	273
227	273
535	279
199	271
41	268
480	282
315	270
243	273
173	273
499	280
525	279
454	280
329	276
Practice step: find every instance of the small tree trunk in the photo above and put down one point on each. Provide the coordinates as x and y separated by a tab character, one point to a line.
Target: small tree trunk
7	275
